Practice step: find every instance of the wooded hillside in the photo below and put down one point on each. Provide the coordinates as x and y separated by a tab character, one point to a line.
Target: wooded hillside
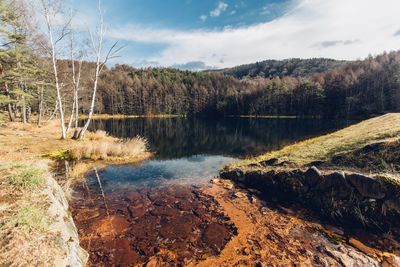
360	88
294	67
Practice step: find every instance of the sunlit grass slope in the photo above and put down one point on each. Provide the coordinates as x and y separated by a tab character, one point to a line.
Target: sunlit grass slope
322	148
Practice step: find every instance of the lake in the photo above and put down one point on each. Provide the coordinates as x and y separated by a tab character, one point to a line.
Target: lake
192	150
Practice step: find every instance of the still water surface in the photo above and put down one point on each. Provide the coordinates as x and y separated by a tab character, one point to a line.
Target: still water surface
192	150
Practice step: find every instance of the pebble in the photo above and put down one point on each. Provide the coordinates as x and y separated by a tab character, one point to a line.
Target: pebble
246	251
240	195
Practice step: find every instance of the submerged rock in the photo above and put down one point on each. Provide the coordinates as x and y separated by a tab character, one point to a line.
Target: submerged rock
163	226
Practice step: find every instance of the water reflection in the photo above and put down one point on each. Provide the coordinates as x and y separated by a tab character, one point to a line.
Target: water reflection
172	138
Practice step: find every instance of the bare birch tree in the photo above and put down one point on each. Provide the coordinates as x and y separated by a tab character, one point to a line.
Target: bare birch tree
76	78
51	9
102	58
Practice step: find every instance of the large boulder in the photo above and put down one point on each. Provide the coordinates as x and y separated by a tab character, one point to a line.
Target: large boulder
334	185
312	176
368	187
235	175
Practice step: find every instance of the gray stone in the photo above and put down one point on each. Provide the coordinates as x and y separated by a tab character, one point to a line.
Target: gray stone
313	176
335	185
235	175
368	187
269	162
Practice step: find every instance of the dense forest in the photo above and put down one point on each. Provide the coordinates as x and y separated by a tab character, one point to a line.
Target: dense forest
295	67
35	79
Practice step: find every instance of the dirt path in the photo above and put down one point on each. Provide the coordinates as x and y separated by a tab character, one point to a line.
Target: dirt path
230	254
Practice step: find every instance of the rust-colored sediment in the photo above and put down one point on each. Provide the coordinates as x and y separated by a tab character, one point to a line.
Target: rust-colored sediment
168	226
220	225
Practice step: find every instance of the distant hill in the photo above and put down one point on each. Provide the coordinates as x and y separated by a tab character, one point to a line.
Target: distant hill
294	67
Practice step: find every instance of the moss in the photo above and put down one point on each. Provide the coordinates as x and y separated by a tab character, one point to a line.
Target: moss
62	155
24	176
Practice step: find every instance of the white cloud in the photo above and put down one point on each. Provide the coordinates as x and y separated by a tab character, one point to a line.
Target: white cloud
342	29
222	6
203	17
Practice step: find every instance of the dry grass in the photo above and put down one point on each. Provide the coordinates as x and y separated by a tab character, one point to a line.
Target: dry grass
28	142
381	156
100	146
110	149
344	141
24	221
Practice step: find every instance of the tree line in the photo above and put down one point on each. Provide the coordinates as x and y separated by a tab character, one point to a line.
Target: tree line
356	89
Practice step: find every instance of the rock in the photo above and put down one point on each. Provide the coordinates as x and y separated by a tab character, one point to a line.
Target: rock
334	229
336	185
246	251
391	205
235	175
227	184
269	162
348	257
152	262
372	147
286	163
215	181
313	176
336	159
253	165
240	195
390	260
215	235
362	247
315	163
368	187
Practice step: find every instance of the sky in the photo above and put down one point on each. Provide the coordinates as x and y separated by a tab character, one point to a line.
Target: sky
205	34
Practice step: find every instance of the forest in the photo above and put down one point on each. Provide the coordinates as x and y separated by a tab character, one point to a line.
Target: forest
35	80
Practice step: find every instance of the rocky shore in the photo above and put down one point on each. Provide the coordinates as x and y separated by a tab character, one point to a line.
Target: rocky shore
342	196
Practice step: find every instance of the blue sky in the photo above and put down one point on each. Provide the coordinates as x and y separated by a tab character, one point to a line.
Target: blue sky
198	34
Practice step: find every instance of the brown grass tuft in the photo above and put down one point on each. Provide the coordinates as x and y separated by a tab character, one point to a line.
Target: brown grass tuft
102	147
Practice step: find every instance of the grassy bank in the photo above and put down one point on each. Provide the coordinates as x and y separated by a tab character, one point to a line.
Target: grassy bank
30	233
384	128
